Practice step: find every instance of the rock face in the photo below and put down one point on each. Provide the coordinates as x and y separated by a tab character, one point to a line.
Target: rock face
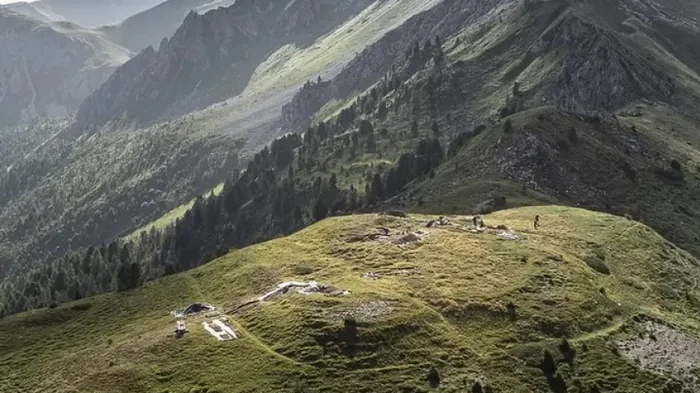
149	27
601	73
211	57
47	71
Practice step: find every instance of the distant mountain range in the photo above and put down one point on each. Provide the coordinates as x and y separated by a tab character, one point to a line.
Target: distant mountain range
46	70
210	58
88	13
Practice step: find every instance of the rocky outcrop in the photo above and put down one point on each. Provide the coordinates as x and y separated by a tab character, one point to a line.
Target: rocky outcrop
443	20
210	58
46	72
149	27
602	72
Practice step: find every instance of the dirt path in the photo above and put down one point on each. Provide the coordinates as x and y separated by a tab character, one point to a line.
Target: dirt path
600	333
263	346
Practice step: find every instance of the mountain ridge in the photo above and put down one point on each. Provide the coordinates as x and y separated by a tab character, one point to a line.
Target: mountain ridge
150	27
232	29
49	68
88	13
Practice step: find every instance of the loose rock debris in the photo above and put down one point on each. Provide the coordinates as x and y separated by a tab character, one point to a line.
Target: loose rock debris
666	350
508	235
442	221
385	235
220	330
304	288
410	238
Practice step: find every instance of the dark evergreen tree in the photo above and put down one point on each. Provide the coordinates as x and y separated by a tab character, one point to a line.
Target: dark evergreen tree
435	128
320	210
371	143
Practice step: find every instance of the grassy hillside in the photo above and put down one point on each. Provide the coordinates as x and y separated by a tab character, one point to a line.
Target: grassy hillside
472	306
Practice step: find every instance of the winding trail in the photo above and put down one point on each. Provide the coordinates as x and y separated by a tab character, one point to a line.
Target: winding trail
263	346
600	333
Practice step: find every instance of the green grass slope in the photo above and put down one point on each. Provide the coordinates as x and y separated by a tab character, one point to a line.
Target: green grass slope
471	306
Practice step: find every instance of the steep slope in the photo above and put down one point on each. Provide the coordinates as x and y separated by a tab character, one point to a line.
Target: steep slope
47	70
88	13
442	314
444	19
69	193
148	28
210	58
577	56
29	10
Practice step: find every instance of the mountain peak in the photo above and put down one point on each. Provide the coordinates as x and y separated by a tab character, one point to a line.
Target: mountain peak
226	44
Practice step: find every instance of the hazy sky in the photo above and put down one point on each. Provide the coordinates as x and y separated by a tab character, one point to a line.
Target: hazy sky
12	1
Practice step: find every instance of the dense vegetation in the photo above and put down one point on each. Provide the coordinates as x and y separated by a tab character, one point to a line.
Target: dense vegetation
60	196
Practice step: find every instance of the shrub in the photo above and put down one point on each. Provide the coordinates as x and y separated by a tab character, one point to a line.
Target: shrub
349	322
675	165
350	325
630	173
477	388
433	377
565	346
500	201
568	351
557	383
81	307
303	270
549	365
